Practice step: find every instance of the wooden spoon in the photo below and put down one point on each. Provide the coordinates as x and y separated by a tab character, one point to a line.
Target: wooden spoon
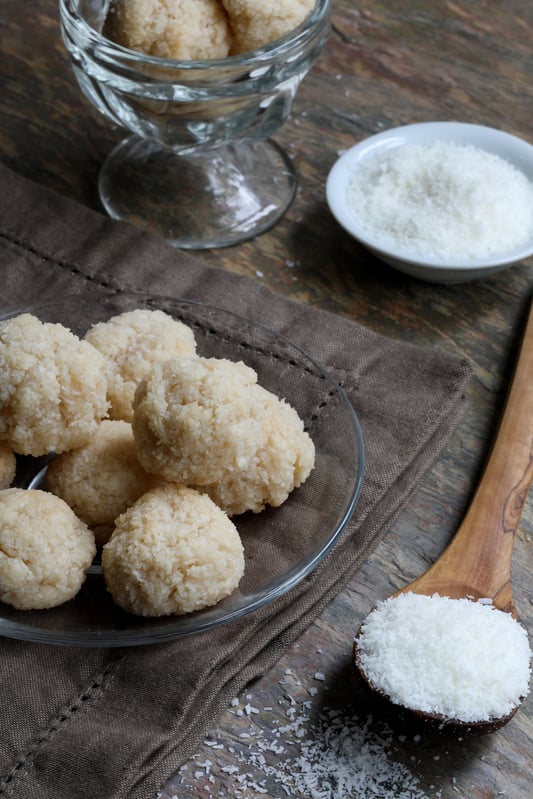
477	562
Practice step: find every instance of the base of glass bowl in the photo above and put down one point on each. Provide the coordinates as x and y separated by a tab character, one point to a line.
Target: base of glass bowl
200	199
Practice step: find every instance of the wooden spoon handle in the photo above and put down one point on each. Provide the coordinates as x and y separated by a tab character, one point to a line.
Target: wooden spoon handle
479	557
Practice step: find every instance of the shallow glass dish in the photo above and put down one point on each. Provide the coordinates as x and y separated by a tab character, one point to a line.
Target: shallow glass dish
282	545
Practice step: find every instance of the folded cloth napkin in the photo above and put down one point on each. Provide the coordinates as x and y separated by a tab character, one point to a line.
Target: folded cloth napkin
115	723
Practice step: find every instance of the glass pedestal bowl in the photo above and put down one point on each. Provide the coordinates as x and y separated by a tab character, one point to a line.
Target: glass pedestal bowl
198	166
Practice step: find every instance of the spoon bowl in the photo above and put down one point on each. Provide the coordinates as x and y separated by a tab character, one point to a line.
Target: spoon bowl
477	563
420	719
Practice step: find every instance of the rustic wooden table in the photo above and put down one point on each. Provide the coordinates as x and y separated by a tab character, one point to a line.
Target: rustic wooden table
385	64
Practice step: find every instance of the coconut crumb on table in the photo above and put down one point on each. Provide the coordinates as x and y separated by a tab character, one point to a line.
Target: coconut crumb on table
311	752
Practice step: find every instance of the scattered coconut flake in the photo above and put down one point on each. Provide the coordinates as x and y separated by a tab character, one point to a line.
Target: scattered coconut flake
455	657
320	753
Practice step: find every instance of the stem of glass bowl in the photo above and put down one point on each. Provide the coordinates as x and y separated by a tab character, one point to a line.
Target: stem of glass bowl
202	199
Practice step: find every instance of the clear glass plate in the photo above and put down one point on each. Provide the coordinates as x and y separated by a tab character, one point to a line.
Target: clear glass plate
282	545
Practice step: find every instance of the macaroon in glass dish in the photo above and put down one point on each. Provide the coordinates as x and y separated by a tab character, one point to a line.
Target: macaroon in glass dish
282	543
198	167
445	202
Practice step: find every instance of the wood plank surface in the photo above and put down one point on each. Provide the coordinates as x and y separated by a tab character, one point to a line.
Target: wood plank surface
386	64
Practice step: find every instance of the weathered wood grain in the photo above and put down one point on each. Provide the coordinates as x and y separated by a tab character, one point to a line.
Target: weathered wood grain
385	64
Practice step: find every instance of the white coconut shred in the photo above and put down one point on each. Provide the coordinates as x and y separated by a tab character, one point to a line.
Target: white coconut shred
442	200
329	755
463	659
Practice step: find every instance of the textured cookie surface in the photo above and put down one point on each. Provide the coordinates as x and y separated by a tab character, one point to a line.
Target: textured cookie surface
52	387
45	550
284	458
101	479
256	23
131	343
206	423
173	552
180	29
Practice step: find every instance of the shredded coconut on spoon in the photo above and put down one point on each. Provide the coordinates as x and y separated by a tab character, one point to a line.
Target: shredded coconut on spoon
458	658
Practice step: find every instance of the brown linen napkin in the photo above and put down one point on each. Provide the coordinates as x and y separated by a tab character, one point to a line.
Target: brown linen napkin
111	723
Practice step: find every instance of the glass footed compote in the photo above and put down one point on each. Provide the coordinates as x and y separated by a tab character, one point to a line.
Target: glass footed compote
199	167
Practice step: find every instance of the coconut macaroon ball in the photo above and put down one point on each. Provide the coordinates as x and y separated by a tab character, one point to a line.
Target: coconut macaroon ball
206	423
101	479
192	419
181	29
131	343
173	552
52	387
283	460
8	466
255	23
45	550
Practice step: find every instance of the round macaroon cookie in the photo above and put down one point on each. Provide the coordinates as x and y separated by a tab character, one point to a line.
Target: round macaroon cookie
52	387
284	459
101	479
8	466
131	343
173	552
255	23
205	422
45	550
192	419
181	29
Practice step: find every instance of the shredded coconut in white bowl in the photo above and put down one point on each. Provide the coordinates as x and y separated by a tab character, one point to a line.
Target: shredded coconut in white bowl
444	202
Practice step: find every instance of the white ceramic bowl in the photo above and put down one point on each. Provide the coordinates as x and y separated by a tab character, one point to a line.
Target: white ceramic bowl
512	149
